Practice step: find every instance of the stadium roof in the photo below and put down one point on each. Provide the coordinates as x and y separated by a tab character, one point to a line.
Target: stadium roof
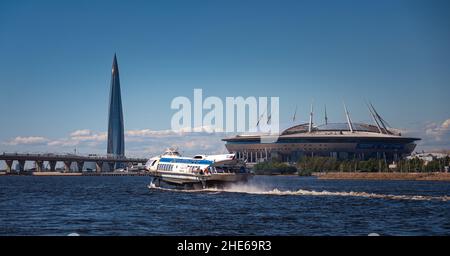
333	127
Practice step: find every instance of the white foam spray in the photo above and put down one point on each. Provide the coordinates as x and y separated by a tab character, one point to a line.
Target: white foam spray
260	190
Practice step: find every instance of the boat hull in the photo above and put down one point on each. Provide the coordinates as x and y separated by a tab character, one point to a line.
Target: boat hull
216	179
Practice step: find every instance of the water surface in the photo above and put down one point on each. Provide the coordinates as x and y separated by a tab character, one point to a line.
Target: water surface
279	205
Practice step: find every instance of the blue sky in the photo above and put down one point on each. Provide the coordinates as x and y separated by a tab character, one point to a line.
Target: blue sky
55	63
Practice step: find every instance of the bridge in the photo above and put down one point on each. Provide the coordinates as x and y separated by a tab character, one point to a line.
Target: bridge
67	159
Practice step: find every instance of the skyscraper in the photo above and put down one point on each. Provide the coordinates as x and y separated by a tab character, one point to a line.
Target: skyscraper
116	141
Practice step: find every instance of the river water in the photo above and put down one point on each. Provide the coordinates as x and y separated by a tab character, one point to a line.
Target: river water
268	205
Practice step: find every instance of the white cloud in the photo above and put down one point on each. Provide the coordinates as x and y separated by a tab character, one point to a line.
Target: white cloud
434	136
446	124
88	135
63	143
79	137
439	132
148	133
141	143
84	132
201	129
165	133
31	140
147	142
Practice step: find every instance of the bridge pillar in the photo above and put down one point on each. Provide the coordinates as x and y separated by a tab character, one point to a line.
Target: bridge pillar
111	166
9	165
80	165
52	165
39	165
99	166
21	165
67	166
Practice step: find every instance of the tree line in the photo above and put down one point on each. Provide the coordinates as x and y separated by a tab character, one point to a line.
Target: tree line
308	165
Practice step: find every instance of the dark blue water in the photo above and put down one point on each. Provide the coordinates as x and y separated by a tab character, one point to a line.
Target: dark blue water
125	206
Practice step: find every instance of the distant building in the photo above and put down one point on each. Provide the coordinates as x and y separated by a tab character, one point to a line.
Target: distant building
116	139
339	140
428	156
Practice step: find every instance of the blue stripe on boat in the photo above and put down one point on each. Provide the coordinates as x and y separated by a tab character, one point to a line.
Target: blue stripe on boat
184	161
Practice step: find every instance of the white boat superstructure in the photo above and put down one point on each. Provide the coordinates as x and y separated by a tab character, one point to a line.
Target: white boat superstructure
200	170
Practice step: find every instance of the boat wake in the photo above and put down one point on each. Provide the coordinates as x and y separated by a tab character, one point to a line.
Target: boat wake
255	190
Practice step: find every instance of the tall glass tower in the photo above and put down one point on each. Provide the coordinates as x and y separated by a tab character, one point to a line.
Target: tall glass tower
116	141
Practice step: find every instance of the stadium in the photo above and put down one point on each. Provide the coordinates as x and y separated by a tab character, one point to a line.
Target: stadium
339	140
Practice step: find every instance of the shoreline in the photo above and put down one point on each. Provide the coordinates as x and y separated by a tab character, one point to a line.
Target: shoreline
432	176
415	176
